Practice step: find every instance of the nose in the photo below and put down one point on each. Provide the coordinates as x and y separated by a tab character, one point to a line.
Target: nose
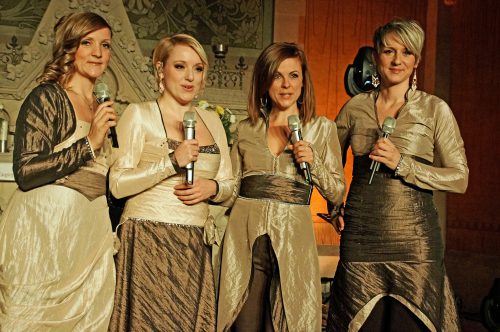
189	75
397	58
97	51
285	83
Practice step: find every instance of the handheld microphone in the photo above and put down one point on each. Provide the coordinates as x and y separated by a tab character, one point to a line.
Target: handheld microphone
387	129
294	125
189	122
102	94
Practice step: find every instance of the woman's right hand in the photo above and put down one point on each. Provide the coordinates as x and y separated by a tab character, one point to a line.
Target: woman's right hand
187	152
339	221
104	118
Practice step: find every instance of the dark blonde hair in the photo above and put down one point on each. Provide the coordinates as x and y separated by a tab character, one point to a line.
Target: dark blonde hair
68	33
410	33
165	46
264	71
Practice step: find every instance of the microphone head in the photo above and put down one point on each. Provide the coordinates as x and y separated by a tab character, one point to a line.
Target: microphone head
389	125
293	122
189	119
101	92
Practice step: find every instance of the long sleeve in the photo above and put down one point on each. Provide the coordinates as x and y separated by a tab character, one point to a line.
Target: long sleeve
138	166
327	171
236	161
46	118
452	174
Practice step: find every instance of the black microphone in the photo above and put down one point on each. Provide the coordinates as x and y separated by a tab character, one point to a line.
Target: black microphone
189	125
387	129
102	94
294	125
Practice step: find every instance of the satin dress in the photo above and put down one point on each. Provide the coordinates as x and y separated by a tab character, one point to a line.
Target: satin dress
297	301
164	265
391	244
56	246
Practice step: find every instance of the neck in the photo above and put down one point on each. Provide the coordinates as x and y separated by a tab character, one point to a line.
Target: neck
81	86
393	94
172	109
280	117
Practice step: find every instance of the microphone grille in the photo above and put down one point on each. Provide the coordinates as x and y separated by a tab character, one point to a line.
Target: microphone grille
189	119
101	90
389	125
293	122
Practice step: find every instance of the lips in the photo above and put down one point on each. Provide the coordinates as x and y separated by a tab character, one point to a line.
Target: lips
188	87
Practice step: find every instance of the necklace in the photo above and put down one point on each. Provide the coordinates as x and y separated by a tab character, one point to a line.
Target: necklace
90	104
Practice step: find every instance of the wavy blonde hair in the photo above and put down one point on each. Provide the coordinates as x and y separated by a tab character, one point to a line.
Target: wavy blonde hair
68	33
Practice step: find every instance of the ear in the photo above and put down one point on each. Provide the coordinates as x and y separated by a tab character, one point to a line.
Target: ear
159	66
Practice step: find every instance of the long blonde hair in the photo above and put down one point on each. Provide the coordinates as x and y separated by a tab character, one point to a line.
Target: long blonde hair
68	32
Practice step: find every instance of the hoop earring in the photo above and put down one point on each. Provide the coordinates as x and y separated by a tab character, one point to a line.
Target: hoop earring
263	102
375	80
414	81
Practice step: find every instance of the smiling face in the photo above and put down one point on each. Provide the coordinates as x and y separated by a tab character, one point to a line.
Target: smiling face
395	62
93	54
182	74
287	85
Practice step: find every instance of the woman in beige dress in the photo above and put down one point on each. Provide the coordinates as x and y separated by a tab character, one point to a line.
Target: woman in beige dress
56	247
164	270
391	275
270	272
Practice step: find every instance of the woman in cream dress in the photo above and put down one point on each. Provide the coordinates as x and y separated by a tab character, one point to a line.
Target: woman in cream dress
164	269
56	247
391	275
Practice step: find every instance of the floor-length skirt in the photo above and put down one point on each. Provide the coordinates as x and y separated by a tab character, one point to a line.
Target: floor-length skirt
56	262
165	279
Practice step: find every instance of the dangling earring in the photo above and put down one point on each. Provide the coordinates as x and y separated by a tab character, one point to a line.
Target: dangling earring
414	81
161	87
300	101
375	80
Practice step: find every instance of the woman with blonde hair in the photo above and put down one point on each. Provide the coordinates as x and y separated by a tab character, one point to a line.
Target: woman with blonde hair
391	275
164	270
56	246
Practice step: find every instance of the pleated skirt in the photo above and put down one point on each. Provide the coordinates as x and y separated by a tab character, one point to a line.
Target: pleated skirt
165	279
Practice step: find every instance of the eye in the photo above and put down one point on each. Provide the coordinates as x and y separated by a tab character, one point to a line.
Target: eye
294	75
106	45
407	52
387	51
276	76
178	66
199	69
85	42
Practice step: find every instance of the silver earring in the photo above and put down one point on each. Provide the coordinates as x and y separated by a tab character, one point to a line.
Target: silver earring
414	81
161	87
263	102
375	80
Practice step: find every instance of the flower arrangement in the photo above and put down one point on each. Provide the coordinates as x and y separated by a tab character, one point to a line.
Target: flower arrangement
225	115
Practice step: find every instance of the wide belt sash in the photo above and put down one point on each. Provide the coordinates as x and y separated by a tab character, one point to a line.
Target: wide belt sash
277	188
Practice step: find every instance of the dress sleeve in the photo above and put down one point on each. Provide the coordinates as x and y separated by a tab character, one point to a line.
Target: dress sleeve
136	170
452	174
38	131
326	170
343	128
224	176
236	161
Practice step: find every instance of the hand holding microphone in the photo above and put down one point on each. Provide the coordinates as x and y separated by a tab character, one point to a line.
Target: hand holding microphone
294	126
102	95
189	122
387	129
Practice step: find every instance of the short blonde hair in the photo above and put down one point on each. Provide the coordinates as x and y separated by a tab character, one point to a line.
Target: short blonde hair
410	33
165	46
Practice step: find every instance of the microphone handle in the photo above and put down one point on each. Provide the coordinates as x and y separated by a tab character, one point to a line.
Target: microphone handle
303	165
189	167
375	166
112	130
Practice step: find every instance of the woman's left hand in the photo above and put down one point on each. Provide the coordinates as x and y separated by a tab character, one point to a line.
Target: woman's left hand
200	190
302	152
385	152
